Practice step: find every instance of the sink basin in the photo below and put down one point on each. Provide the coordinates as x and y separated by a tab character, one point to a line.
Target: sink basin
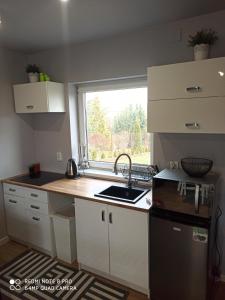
119	193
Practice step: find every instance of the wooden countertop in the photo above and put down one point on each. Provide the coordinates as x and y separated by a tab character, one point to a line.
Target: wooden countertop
85	188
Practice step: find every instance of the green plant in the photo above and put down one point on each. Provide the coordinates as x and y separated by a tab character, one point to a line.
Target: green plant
103	156
32	69
204	36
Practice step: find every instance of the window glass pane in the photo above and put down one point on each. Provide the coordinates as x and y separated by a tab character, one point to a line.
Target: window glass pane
117	123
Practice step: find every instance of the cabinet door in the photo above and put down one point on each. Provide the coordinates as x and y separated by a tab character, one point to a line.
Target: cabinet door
15	217
31	97
92	234
203	78
205	115
128	236
38	230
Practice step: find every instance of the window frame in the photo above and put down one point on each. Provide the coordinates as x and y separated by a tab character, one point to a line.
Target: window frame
98	86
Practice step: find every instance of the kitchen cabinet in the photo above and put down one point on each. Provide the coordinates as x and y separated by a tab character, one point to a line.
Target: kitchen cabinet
28	215
38	230
92	234
113	240
187	97
187	80
39	97
205	115
15	217
128	236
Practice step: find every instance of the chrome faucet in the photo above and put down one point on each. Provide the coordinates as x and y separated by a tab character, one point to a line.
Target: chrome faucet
129	183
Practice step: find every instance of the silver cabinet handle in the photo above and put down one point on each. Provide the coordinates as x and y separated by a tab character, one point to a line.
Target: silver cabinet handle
12	201
197	189
34	195
36	219
35	207
12	190
193	125
103	216
177	229
29	106
194	89
110	218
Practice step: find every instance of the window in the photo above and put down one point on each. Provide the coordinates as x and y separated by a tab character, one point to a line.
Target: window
114	121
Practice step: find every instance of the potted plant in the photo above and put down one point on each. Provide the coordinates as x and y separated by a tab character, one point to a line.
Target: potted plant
201	41
33	73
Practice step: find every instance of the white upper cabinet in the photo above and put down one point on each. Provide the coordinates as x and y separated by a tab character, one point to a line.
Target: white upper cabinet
205	78
205	115
39	97
187	97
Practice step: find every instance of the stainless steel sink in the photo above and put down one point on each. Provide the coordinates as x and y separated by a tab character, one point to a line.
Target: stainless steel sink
124	194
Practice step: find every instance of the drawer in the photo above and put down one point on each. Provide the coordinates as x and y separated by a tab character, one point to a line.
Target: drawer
13	201
205	115
187	80
36	194
15	217
38	230
12	189
36	206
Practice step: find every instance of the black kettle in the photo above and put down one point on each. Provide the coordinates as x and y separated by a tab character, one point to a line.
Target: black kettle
71	170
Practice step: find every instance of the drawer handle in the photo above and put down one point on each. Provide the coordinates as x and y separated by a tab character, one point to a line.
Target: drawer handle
35	207
194	89
110	218
177	229
103	216
34	195
36	219
12	201
193	125
29	106
12	190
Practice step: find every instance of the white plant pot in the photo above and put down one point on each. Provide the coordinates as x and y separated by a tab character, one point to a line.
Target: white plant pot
201	51
33	77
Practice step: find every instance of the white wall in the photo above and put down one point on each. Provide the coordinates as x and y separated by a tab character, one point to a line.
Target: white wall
129	55
119	56
16	133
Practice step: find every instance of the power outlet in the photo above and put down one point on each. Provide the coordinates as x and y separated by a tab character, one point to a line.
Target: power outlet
174	164
59	156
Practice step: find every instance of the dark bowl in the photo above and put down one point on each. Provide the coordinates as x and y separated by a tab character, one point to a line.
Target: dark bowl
196	167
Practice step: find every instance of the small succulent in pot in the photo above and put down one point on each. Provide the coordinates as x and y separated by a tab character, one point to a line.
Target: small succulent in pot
33	73
32	69
201	41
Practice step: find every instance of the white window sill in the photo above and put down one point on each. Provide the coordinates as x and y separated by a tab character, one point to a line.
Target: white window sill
109	175
102	174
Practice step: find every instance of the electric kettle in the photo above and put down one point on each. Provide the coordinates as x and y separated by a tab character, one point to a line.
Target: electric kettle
71	170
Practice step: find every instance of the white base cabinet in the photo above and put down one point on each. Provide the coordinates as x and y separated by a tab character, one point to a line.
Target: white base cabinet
39	230
15	217
113	240
28	216
92	234
128	237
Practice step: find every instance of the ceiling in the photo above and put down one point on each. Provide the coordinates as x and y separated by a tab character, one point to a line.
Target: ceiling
33	25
